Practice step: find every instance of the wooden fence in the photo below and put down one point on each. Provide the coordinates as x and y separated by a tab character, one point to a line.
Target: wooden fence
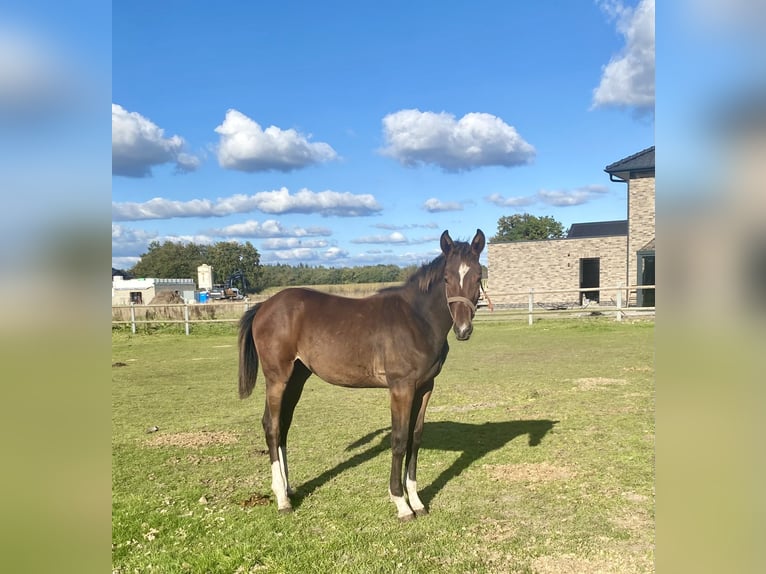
231	311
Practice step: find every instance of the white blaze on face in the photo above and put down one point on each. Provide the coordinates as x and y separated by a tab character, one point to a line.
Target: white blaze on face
462	270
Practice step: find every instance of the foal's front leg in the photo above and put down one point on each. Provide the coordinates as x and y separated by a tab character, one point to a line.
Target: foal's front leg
416	434
401	407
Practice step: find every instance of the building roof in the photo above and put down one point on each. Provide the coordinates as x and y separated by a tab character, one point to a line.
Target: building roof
649	246
120	284
598	229
638	163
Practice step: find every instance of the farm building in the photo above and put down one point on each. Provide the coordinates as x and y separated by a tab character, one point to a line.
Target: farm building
601	254
143	291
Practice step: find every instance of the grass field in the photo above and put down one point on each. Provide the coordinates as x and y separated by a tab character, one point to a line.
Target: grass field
538	456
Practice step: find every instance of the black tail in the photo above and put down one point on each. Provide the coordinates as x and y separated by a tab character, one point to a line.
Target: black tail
248	356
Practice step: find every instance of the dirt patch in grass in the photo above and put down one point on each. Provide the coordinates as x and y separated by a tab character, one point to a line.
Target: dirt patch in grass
196	460
255	500
493	530
193	439
529	472
598	383
637	519
643	369
608	563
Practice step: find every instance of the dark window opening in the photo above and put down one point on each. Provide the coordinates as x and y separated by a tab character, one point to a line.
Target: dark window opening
590	270
645	297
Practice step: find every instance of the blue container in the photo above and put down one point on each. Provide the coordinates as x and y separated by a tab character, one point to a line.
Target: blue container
203	297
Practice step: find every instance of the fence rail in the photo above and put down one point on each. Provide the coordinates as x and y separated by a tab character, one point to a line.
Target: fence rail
619	306
191	313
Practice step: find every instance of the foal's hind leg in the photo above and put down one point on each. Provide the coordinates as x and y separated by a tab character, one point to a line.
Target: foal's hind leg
289	401
278	467
277	379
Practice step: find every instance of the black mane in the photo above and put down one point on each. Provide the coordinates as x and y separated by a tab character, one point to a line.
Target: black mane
425	276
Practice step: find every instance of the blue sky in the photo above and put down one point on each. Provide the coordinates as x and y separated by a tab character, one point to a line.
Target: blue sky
341	133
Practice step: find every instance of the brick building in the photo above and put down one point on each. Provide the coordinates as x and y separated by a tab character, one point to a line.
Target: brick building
602	254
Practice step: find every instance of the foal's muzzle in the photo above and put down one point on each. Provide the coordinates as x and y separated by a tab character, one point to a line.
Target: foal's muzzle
463	329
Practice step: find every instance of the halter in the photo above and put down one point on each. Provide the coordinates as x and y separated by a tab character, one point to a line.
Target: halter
458	299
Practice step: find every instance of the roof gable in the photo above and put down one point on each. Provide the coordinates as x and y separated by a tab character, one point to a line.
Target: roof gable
642	161
598	229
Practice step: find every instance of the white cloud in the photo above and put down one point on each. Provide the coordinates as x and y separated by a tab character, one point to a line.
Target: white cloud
281	201
555	197
398	227
138	145
502	201
401	259
628	79
159	208
306	255
393	237
127	242
124	262
477	139
434	205
245	146
292	243
324	202
198	238
567	197
336	256
268	229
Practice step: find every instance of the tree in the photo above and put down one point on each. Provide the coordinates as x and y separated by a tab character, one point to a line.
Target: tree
226	257
525	227
169	261
180	260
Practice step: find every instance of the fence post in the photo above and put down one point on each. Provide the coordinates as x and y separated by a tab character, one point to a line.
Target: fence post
186	318
132	317
531	304
619	302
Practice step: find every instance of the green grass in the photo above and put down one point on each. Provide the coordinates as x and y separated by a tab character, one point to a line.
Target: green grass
537	457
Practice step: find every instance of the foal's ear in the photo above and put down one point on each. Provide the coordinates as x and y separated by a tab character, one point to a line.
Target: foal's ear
477	244
446	242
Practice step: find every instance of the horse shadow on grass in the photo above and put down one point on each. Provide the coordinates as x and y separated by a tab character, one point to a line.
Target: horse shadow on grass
472	441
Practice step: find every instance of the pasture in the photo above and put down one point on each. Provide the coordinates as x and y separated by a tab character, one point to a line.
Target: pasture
538	456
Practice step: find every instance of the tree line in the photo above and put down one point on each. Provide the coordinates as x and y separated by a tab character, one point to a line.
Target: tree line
180	260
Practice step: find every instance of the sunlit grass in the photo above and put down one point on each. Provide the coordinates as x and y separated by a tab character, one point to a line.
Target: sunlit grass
537	457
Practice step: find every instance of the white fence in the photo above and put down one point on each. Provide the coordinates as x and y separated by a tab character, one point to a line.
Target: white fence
618	306
230	312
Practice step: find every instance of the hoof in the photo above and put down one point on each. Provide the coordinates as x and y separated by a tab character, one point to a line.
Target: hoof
286	510
421	511
407	518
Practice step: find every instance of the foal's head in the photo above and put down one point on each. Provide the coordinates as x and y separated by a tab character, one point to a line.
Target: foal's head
462	276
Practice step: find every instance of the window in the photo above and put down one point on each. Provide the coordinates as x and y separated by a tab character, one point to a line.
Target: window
590	271
645	297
